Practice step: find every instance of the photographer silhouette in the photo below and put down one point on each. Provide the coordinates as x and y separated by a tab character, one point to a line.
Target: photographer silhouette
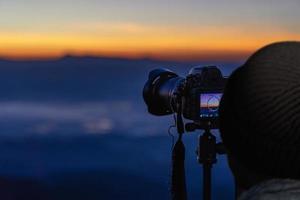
260	124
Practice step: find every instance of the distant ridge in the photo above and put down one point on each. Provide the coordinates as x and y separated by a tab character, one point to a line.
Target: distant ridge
76	58
72	57
69	57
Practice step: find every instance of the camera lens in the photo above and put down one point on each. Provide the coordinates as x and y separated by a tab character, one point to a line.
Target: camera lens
159	91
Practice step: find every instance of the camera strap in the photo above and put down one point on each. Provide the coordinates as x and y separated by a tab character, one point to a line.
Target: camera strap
178	184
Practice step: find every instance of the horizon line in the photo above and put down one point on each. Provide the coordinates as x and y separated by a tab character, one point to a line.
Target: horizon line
217	57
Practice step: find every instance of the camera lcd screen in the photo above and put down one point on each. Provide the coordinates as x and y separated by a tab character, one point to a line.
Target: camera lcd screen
209	105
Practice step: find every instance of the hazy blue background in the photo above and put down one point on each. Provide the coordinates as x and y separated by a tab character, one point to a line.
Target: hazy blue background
77	128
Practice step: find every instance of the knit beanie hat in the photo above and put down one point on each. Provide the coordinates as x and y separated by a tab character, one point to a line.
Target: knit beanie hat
260	112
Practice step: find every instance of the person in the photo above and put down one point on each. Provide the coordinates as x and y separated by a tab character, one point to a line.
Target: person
260	124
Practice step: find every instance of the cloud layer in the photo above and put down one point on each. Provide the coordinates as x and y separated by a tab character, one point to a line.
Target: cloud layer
119	117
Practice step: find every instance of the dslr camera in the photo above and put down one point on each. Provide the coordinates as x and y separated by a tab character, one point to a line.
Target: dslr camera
195	97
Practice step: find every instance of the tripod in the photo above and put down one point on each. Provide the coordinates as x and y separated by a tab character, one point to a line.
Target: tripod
207	151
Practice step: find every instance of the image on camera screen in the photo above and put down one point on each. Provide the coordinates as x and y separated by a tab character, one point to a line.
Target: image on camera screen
209	104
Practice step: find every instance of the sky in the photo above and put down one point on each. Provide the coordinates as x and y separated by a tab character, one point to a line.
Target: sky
161	29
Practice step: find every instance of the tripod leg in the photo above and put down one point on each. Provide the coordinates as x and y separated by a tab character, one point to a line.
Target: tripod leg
207	181
207	157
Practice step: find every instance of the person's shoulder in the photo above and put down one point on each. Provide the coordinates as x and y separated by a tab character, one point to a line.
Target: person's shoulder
275	189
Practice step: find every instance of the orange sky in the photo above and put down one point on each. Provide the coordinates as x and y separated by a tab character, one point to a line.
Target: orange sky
211	44
229	34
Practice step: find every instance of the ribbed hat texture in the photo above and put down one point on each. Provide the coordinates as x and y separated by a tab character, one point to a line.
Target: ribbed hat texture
260	111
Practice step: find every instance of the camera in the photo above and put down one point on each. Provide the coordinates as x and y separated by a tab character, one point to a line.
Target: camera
196	97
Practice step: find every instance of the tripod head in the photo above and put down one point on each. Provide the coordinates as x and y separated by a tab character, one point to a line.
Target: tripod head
209	148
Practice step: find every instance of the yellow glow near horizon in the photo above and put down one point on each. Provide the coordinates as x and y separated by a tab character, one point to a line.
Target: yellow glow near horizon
134	41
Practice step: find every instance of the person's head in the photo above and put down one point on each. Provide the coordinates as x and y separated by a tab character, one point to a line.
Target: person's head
260	116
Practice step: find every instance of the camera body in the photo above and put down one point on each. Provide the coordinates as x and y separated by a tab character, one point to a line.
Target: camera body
196	97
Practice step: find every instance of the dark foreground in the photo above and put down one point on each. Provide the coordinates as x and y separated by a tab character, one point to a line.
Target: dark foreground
99	167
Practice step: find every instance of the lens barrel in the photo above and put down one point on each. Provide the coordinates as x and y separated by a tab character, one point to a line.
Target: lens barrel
159	91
